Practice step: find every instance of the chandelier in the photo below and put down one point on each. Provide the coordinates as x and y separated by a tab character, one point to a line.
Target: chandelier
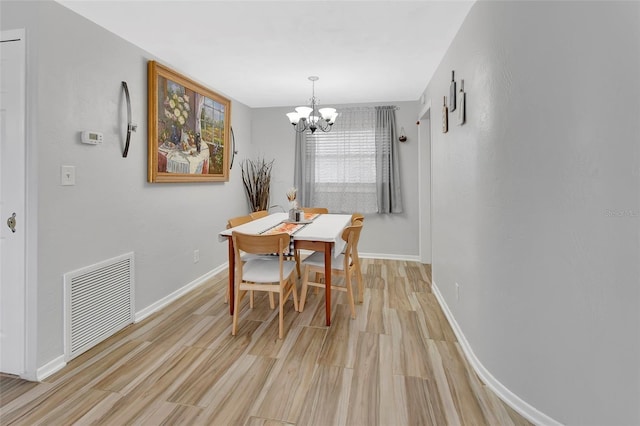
311	117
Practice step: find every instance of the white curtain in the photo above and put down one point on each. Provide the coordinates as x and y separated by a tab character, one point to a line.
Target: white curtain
387	169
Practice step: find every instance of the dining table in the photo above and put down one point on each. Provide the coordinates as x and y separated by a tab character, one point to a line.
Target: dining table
321	232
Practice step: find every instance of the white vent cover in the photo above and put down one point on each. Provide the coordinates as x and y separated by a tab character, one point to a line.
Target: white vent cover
98	303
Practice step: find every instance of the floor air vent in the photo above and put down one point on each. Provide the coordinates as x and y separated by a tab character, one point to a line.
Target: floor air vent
98	303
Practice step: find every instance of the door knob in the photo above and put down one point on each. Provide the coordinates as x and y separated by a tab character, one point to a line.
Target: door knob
11	222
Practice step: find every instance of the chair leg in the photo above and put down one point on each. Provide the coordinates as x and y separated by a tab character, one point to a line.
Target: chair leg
251	299
236	314
316	290
347	279
272	303
303	291
360	283
296	304
281	315
296	256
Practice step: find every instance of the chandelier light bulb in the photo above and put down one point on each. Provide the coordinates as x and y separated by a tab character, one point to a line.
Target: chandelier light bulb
327	113
303	111
310	117
294	117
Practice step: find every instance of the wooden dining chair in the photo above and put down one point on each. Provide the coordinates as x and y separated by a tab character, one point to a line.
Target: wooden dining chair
344	265
239	220
259	214
272	274
319	210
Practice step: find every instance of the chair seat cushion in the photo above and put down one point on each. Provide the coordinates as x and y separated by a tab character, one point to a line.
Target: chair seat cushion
317	259
266	269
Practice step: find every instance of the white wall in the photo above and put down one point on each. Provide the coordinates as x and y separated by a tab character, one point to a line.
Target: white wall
390	236
536	209
75	69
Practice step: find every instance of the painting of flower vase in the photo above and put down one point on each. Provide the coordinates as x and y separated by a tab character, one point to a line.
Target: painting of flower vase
189	128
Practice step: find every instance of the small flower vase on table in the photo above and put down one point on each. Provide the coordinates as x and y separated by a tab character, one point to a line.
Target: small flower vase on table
294	213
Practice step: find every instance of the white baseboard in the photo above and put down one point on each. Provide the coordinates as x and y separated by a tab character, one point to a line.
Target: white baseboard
527	411
51	367
156	306
405	257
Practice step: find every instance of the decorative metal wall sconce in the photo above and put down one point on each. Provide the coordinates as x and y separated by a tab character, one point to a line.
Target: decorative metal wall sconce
461	104
445	116
452	93
233	149
131	127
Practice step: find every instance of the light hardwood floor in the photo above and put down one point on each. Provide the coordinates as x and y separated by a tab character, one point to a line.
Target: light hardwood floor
397	363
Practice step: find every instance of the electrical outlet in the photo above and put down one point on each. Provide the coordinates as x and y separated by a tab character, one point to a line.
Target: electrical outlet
457	291
196	256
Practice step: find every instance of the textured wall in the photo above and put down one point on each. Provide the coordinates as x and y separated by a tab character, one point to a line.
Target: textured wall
75	69
536	202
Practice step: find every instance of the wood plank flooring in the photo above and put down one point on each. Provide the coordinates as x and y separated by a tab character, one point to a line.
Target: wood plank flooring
397	363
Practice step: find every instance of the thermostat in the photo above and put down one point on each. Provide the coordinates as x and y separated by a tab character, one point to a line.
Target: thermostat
91	137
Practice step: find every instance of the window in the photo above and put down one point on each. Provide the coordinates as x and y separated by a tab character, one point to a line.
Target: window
345	163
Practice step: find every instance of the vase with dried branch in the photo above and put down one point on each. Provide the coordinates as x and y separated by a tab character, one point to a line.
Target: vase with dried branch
256	177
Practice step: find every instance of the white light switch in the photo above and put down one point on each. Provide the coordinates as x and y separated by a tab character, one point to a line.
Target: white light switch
67	175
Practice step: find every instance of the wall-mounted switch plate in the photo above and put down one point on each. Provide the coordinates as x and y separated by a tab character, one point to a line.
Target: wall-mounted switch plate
67	175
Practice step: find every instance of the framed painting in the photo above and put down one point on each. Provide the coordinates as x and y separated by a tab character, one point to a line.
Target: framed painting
189	129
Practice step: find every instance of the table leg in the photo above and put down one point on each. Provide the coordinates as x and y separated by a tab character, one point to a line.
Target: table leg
232	270
327	281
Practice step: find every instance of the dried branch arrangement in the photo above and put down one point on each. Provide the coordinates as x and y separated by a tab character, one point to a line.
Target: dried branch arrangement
256	177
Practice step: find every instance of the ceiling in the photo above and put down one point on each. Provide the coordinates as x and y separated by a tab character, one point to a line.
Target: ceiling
260	53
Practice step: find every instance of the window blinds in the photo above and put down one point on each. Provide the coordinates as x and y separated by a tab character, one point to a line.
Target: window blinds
345	163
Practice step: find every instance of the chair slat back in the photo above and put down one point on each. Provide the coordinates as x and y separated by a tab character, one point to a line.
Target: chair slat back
237	221
318	210
261	244
258	214
351	234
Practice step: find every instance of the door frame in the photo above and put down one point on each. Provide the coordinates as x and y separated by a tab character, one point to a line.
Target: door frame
30	220
425	228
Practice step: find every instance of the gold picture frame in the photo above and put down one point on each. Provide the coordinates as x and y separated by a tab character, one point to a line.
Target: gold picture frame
189	128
